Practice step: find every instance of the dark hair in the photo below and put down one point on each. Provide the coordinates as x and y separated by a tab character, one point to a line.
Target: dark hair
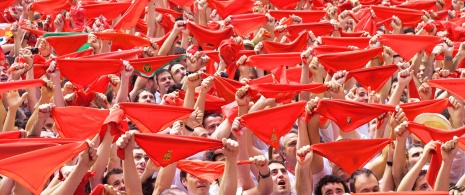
171	191
329	179
276	161
175	87
420	175
210	114
138	92
211	156
179	50
353	177
409	30
161	72
114	171
148	186
414	145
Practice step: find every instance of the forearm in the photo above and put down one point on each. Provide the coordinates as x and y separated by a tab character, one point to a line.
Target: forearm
58	99
387	183
229	179
115	161
443	179
103	153
38	124
10	120
166	47
304	180
189	99
3	114
202	13
131	177
222	131
395	96
456	61
304	79
122	95
409	180
151	19
6	186
400	158
19	189
72	181
165	178
200	103
243	172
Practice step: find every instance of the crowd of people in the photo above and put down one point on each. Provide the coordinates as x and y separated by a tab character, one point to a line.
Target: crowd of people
232	97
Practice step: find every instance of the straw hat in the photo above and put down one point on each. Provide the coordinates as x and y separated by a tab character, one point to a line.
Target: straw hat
433	120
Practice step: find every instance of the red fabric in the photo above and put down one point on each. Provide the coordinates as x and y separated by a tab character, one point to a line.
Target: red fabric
37	32
229	51
245	23
165	115
15	85
98	190
182	3
209	39
166	149
298	45
269	62
408	45
360	42
367	23
10	135
129	19
73	69
66	44
48	160
175	14
374	77
426	134
454	86
101	85
293	75
414	109
350	34
118	124
352	59
462	143
125	41
110	10
306	15
409	17
51	7
115	55
17	148
283	5
5	4
84	125
212	103
230	111
205	170
213	55
360	152
226	88
270	124
232	7
318	28
328	49
41	64
147	67
80	188
270	90
420	5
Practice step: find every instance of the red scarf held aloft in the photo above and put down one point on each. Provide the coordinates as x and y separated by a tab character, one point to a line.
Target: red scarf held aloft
408	45
232	7
352	59
360	42
147	67
166	149
374	77
166	115
130	18
298	45
454	86
82	126
270	124
205	170
22	84
360	151
306	15
209	39
269	62
246	23
73	69
67	44
51	7
110	10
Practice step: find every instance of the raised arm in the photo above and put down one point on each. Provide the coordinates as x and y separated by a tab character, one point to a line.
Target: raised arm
448	152
131	177
303	177
54	74
122	95
399	168
229	179
103	153
14	101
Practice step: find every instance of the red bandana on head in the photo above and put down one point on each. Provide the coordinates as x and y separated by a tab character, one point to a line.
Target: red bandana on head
306	15
166	149
360	152
245	23
205	170
129	19
408	45
79	126
110	10
360	42
22	84
269	62
209	39
164	115
73	69
454	86
298	45
352	59
49	160
270	124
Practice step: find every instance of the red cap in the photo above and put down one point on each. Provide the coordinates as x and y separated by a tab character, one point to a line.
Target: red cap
270	124
360	151
165	115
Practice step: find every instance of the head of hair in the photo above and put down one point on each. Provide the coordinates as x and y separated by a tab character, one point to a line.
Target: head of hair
409	30
281	140
114	171
354	176
148	186
211	156
209	114
276	161
171	191
138	92
179	50
420	175
329	179
414	145
161	72
175	87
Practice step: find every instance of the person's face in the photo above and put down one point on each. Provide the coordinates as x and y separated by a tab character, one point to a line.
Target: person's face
333	189
140	158
290	142
275	155
178	71
361	95
211	123
48	124
421	73
421	184
201	132
117	181
338	171
146	98
281	184
414	155
195	186
372	127
3	75
365	184
183	62
164	82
